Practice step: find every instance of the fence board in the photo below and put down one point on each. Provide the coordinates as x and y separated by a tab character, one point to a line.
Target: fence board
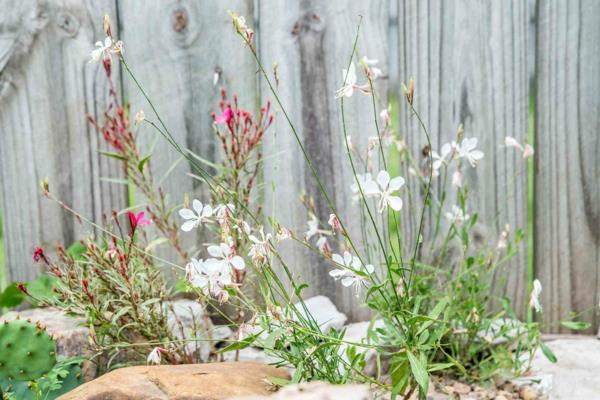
567	183
311	42
469	63
46	89
191	41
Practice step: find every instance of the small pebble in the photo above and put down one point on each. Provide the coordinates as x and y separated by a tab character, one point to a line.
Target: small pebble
461	388
528	393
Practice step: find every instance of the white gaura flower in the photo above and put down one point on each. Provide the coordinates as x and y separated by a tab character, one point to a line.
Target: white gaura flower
349	77
226	254
534	299
335	223
261	248
224	210
313	228
384	189
154	356
467	150
457	216
283	233
348	273
448	153
200	213
527	150
102	50
211	276
369	66
359	183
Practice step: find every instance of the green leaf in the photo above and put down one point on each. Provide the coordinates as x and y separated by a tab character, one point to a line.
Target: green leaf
240	344
419	371
278	381
439	366
300	288
576	325
143	162
113	155
548	353
76	250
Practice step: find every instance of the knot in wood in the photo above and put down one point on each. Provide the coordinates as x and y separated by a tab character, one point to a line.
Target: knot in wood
180	19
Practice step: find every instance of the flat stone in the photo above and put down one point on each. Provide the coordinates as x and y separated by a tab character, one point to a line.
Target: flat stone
324	312
211	381
316	391
575	375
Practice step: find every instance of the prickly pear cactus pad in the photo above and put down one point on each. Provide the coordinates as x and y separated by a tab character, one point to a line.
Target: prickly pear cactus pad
26	351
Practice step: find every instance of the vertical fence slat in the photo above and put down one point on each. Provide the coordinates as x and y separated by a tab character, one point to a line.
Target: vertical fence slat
469	63
175	49
311	42
568	170
46	89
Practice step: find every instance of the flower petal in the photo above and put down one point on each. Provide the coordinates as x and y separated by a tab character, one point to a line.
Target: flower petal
238	262
215	251
396	184
188	225
395	202
187	213
383	179
197	205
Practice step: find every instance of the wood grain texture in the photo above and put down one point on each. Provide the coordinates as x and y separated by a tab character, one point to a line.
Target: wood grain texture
174	49
311	43
47	87
469	62
568	170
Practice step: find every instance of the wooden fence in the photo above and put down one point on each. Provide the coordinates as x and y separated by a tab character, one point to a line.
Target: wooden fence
477	63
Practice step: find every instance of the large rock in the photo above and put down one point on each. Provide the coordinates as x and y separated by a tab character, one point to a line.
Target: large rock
324	312
575	374
180	382
316	391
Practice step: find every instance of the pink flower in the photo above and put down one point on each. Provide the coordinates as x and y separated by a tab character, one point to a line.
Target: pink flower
225	117
38	254
335	223
138	219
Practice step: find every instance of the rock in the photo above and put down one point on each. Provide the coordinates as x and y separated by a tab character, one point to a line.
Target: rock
180	382
528	393
324	312
316	391
575	374
251	354
358	333
187	319
461	388
503	330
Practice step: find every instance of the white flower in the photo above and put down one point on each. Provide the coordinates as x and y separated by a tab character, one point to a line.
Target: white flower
384	189
194	219
527	150
534	299
261	249
154	356
503	240
466	150
225	253
140	117
457	216
224	210
457	178
210	276
359	183
348	273
102	50
349	77
369	66
313	228
449	151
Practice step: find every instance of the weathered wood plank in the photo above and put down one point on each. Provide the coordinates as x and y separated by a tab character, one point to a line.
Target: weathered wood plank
310	42
46	89
568	168
469	62
175	49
